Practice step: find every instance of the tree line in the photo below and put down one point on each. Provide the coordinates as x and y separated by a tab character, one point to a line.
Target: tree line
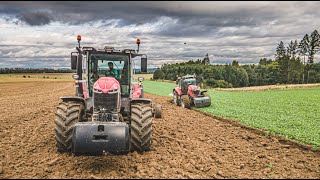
293	64
33	70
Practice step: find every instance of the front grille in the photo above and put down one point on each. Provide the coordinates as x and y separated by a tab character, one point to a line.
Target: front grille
105	100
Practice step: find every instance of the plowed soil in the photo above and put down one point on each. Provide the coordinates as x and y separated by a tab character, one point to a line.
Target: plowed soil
186	144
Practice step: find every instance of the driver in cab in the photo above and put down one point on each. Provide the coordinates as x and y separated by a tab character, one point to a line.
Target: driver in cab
112	72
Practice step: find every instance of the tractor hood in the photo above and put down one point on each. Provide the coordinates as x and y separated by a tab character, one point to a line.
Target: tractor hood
106	84
194	88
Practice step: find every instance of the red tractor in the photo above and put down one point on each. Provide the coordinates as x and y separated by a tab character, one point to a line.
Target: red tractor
188	94
108	113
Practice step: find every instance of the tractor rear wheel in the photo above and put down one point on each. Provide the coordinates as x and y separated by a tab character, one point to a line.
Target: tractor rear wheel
141	127
67	115
185	102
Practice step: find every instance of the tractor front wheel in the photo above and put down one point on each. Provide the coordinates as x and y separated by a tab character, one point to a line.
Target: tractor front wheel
67	115
141	127
185	102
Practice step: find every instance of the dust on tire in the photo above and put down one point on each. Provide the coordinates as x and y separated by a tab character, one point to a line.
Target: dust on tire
67	115
141	127
185	102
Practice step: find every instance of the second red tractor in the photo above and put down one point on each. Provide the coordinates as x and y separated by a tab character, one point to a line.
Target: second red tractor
188	94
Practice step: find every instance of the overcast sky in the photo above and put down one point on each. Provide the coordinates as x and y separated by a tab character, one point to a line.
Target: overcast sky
42	34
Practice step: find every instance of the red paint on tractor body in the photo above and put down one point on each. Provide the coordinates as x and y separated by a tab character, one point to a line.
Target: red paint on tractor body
136	91
178	90
191	89
85	93
106	84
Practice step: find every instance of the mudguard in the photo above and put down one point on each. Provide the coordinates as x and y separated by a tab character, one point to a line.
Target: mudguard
178	90
136	91
74	98
96	138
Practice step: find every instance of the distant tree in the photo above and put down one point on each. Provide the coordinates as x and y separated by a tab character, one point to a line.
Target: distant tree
206	59
281	51
313	46
292	48
235	63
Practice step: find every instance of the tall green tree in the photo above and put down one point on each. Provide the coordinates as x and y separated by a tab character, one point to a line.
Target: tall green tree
313	46
281	51
292	48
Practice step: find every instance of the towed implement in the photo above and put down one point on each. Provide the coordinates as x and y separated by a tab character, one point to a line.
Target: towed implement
108	113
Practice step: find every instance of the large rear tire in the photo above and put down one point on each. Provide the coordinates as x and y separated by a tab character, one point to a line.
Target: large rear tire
67	115
141	127
185	102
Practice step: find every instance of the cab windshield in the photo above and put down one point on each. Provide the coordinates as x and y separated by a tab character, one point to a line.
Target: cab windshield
109	65
189	81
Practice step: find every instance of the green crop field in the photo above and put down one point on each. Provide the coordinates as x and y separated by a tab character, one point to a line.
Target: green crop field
292	113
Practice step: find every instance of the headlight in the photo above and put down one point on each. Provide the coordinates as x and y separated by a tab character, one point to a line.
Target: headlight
97	91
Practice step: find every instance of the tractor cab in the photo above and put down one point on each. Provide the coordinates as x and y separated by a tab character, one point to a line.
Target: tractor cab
109	65
184	84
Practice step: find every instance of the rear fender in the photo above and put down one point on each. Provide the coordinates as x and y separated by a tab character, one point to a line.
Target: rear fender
76	99
136	91
178	90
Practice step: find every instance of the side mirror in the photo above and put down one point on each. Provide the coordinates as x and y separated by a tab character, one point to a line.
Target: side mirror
144	67
140	79
75	76
74	59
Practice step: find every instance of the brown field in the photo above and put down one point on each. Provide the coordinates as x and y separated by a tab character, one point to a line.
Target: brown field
186	143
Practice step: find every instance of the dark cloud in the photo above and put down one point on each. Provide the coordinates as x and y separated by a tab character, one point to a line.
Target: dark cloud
244	31
35	18
208	13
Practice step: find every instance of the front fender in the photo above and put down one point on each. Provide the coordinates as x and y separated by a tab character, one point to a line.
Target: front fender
74	98
178	90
